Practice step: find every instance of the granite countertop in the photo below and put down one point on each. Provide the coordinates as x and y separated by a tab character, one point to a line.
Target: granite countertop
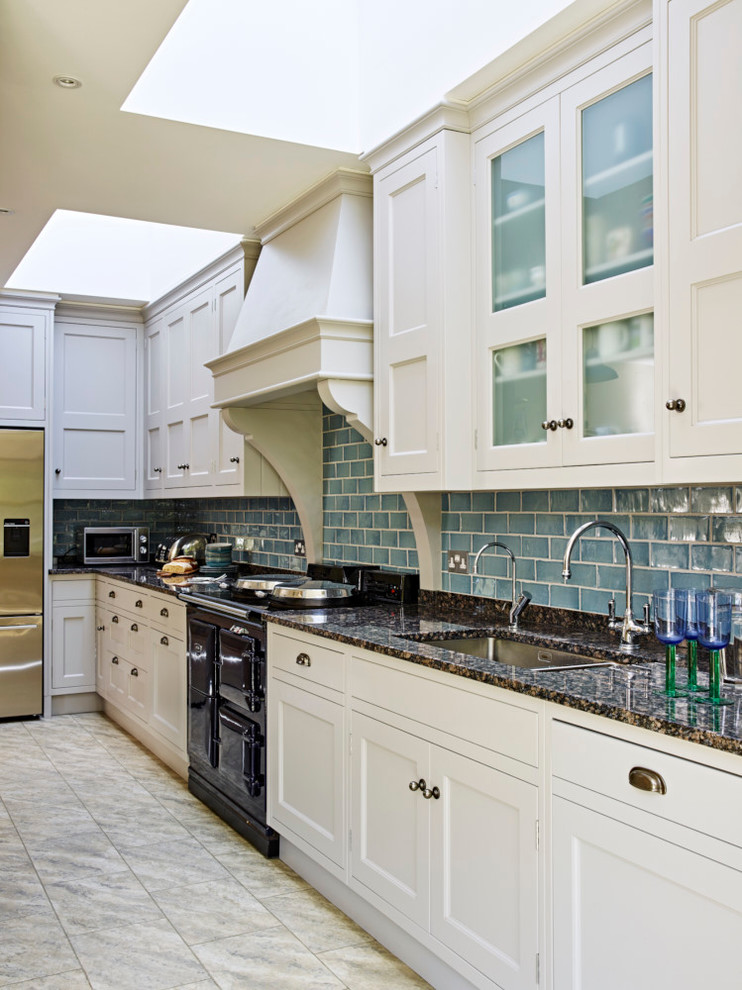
623	692
143	575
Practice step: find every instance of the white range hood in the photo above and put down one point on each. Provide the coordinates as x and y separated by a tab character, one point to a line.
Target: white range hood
305	336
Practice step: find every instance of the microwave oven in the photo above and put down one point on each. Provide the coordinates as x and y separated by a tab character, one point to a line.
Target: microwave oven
115	545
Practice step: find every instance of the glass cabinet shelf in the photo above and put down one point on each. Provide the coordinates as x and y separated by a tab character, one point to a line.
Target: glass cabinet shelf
520	213
629	263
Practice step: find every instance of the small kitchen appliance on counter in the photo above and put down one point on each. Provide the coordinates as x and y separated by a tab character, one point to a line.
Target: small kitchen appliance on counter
115	545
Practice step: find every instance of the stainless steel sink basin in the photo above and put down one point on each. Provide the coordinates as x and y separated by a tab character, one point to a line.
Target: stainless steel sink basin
517	654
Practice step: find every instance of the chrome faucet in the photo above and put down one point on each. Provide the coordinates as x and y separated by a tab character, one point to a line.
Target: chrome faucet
629	626
519	603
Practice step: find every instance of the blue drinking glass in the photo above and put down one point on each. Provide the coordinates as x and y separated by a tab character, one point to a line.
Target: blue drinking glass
669	627
714	618
691	635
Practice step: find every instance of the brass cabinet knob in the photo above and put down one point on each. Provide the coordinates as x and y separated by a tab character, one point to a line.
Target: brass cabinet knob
304	660
675	405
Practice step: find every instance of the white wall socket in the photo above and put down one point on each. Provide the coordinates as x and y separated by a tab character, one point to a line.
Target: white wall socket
239	542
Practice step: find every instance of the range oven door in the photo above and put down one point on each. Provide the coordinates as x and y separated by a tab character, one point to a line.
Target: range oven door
242	759
242	668
202	694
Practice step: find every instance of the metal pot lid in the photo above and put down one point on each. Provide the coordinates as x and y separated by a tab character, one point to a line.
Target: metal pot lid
316	591
266	582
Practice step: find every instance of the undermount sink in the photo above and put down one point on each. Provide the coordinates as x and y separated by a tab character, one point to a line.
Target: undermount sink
517	654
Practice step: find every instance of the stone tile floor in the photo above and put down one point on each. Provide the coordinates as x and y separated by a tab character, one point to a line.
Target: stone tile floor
113	876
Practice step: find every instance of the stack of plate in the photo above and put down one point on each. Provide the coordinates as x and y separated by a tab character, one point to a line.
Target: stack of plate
218	559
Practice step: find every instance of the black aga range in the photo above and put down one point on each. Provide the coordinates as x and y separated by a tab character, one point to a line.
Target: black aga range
227	674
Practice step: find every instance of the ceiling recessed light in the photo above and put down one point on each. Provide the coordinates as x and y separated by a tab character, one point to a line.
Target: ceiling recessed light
67	82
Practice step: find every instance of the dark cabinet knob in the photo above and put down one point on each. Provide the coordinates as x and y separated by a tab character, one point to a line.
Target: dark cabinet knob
549	424
57	470
157	470
675	405
381	441
565	424
234	460
183	467
100	628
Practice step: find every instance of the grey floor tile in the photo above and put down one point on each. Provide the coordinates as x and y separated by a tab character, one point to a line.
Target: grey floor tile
173	864
32	950
262	877
22	896
72	857
315	921
72	980
101	902
371	967
201	912
268	960
147	956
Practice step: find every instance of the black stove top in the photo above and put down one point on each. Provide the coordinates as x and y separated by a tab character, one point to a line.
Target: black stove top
373	587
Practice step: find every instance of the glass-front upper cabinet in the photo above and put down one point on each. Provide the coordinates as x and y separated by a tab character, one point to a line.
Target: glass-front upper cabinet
518	276
608	246
617	228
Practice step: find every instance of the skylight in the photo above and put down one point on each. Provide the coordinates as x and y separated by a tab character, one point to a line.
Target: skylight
90	255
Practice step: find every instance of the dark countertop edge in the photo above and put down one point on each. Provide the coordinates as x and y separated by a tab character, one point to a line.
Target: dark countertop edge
153	583
653	723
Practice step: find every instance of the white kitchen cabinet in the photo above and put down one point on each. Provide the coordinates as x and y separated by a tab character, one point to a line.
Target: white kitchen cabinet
96	445
25	339
73	636
189	450
451	844
647	886
307	741
564	277
703	238
422	338
169	708
141	668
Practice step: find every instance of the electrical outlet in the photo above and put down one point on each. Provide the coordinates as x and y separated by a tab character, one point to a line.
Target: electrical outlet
458	561
300	549
239	542
250	542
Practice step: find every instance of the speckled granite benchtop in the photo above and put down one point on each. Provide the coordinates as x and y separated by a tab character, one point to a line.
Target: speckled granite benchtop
624	692
144	576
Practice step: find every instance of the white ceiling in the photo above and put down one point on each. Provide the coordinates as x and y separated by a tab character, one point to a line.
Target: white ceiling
75	150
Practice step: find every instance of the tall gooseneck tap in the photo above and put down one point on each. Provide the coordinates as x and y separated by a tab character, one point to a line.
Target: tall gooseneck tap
518	604
629	626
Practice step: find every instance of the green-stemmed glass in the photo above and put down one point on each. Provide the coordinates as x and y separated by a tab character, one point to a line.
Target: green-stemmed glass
714	618
669	628
691	635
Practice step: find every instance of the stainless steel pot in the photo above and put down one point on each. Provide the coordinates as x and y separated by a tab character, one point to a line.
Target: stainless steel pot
315	592
189	545
262	584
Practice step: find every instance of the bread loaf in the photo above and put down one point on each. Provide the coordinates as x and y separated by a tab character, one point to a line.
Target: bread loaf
179	565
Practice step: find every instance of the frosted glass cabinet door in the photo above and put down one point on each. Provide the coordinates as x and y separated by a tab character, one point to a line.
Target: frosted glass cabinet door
518	291
518	224
617	197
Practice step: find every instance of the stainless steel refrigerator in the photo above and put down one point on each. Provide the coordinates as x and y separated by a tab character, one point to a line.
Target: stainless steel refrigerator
21	572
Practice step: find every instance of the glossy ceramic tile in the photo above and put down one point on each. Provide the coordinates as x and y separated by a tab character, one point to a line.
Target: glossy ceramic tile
94	903
232	910
370	967
315	921
32	949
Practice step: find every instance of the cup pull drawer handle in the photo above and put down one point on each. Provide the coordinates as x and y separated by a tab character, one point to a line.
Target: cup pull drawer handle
647	780
164	641
164	612
111	594
304	660
114	659
134	672
114	618
139	603
134	627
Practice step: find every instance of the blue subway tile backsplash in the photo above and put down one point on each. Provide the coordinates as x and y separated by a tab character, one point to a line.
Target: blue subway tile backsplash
680	536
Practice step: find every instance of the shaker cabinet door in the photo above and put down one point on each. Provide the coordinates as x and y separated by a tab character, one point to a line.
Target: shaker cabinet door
705	228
